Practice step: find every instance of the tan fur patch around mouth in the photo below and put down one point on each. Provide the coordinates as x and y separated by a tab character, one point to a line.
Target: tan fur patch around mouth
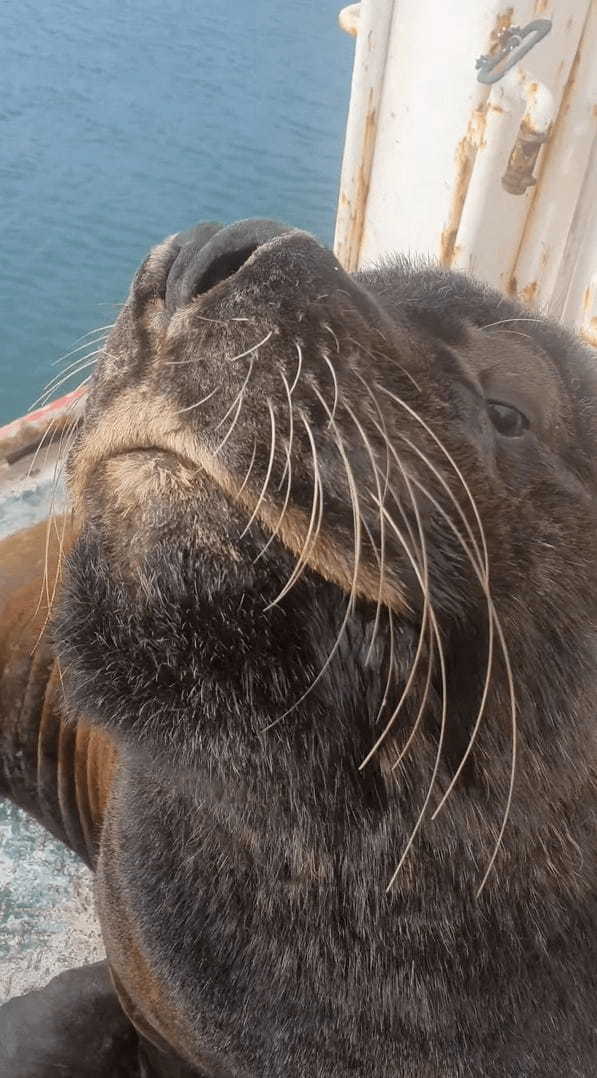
142	419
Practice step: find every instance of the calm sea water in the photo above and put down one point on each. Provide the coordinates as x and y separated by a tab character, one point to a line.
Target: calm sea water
125	120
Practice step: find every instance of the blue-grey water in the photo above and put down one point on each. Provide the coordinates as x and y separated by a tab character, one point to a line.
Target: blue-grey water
124	120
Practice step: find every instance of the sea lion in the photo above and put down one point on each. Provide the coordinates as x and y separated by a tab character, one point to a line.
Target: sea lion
322	708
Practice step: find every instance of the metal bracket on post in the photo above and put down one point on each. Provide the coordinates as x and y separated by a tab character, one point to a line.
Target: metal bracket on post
516	42
534	129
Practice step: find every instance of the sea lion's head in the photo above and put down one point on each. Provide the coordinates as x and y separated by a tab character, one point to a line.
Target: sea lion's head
361	504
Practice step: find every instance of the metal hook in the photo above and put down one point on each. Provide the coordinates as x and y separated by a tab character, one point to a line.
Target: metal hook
516	42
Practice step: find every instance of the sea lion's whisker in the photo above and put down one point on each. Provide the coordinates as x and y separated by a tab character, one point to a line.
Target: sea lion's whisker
349	605
234	421
477	567
504	321
47	435
354	497
269	469
335	381
442	732
422	705
53	387
331	332
298	369
493	621
198	404
450	459
80	359
288	471
424	584
386	355
386	692
382	536
59	559
70	434
290	429
250	469
313	529
428	617
222	321
228	359
514	722
385	437
101	336
102	331
480	564
239	394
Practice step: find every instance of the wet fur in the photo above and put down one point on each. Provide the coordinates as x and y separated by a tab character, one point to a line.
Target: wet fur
244	844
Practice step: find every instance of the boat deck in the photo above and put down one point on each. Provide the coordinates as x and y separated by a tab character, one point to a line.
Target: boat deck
47	920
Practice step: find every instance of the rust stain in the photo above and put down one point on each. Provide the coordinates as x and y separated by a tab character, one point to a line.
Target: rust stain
564	105
541	7
492	106
523	158
466	152
503	22
349	257
589	333
529	294
586	298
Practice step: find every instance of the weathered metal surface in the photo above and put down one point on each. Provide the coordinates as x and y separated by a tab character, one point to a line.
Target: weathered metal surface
374	20
487	179
550	247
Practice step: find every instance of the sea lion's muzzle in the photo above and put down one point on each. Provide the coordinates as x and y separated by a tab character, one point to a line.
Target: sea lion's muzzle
209	254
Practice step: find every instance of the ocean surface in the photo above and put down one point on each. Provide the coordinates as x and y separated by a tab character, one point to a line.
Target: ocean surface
122	122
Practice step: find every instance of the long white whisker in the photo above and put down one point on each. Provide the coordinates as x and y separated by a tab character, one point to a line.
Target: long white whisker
335	381
197	404
442	731
313	528
269	469
239	394
288	470
450	459
298	369
247	476
228	359
102	332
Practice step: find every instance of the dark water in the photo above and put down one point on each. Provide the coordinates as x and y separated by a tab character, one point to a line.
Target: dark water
124	120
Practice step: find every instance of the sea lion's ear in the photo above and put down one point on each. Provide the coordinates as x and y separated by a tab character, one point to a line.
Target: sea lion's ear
75	1025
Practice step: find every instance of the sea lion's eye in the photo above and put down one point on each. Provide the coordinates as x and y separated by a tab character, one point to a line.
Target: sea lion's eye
506	419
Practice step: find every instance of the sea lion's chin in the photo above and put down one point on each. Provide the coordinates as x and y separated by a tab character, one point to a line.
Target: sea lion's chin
165	637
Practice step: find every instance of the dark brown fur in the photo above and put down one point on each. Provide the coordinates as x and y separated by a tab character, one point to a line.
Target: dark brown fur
243	855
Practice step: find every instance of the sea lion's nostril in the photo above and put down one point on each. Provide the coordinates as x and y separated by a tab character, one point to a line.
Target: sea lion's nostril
209	255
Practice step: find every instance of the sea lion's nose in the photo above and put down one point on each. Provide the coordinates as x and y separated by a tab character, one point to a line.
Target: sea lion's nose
209	254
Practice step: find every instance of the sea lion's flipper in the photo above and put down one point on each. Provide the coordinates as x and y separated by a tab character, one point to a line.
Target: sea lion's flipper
55	767
73	1026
